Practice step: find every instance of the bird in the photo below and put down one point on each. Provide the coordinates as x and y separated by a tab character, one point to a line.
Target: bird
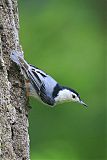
42	86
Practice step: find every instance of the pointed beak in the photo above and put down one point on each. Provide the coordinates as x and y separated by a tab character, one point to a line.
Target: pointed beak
83	104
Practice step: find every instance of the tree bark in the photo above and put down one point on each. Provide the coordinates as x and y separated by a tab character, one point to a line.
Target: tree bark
14	137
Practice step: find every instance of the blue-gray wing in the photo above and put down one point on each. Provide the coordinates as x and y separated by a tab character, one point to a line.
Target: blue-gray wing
43	84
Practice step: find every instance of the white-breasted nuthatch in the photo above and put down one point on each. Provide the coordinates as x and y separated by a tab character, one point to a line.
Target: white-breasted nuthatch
43	86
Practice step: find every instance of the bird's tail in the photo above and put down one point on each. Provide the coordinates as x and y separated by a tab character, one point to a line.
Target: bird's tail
18	58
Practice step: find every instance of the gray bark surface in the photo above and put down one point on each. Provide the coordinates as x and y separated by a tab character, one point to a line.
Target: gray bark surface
14	137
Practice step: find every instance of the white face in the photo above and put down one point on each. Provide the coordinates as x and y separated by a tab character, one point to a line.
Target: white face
74	97
67	95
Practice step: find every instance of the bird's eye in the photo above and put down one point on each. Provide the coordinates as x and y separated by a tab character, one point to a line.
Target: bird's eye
73	96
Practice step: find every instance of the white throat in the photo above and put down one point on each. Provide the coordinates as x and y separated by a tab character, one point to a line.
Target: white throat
64	95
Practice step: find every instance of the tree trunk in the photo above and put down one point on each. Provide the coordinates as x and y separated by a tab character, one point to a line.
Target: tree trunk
14	137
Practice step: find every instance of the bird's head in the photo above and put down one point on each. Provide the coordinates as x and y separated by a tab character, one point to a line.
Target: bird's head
66	94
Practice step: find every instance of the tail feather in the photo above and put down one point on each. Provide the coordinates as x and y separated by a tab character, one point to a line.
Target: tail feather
18	58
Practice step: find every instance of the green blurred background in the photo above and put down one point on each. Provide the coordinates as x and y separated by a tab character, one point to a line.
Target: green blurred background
66	38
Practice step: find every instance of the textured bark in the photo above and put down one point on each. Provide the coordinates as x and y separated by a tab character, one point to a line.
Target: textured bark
14	138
